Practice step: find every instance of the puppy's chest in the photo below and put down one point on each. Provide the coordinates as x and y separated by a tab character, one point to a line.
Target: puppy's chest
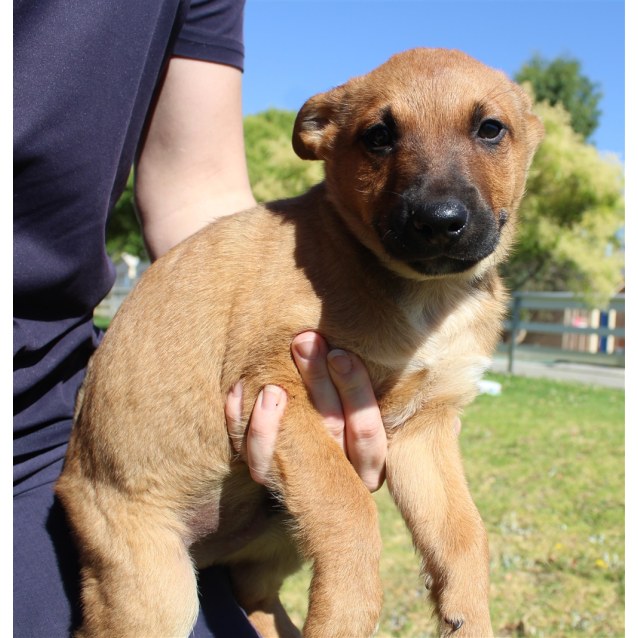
447	359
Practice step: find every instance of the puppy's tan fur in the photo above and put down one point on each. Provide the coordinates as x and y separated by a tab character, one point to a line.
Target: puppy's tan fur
151	485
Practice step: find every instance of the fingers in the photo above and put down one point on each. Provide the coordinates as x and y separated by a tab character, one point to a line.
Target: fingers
259	448
342	393
366	440
262	433
310	354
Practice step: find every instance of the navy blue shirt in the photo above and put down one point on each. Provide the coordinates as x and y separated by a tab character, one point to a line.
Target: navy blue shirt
85	75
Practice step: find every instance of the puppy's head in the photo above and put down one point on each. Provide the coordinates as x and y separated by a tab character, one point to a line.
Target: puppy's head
426	159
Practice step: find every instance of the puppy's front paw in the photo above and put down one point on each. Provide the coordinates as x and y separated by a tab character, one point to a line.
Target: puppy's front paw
465	621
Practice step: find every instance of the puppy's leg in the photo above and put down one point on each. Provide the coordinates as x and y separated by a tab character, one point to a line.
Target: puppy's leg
426	479
336	526
137	575
256	586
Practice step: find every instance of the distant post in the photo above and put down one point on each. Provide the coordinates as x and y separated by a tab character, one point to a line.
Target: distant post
514	323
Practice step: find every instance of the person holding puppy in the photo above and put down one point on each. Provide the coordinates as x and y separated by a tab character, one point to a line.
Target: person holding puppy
95	86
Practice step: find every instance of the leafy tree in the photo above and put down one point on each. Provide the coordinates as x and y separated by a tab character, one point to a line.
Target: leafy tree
562	82
274	169
123	233
571	217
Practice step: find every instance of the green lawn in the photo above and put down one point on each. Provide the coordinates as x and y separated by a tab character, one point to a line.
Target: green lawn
545	463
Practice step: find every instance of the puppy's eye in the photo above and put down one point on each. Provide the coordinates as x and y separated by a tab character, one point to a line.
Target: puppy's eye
491	131
378	139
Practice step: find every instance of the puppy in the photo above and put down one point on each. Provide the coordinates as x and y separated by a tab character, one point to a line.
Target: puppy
392	257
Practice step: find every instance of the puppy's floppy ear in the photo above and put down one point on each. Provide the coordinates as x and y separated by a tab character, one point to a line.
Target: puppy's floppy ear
316	124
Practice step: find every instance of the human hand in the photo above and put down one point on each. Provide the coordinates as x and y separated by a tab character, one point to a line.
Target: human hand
341	391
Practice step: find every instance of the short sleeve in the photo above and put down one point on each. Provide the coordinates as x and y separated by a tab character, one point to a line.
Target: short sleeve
213	31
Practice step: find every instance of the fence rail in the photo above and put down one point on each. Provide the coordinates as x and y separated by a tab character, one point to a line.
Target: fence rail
602	327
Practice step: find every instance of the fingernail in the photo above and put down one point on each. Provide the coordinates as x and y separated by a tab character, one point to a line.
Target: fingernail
308	349
340	361
270	397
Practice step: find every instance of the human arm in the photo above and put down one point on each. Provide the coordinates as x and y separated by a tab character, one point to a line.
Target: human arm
192	165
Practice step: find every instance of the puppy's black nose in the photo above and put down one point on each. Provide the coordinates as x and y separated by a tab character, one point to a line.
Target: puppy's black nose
441	220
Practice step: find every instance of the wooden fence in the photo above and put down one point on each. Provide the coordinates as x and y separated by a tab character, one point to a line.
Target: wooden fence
560	326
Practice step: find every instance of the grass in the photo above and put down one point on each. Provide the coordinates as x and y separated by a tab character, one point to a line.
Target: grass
101	322
545	463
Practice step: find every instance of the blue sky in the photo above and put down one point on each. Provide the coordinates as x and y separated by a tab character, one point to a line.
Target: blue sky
296	48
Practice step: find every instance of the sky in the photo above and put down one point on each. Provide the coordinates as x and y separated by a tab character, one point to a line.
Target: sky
297	48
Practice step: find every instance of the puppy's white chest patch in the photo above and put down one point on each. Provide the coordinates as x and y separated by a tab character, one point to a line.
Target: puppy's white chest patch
451	358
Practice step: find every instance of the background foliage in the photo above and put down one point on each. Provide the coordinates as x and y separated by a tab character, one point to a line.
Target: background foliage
274	169
123	231
560	81
570	218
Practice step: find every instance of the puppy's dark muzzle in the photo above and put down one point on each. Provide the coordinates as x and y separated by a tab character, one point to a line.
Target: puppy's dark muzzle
440	235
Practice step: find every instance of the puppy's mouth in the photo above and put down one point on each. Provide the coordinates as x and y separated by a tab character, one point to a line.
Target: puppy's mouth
442	237
440	266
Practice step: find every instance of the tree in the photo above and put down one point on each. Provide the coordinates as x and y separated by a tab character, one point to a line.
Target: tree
561	82
123	233
571	218
274	169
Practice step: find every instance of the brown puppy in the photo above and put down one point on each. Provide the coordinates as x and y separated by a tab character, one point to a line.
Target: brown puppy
394	258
